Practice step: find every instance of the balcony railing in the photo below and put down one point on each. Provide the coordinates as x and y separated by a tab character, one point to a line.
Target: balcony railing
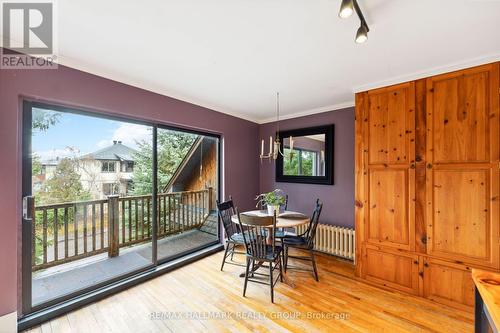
75	230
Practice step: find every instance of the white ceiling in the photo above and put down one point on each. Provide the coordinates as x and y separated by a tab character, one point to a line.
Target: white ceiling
233	55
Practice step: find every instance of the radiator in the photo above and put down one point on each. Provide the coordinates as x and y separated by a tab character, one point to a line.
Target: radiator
332	239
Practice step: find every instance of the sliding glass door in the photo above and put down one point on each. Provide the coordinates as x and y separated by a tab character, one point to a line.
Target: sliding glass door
187	190
105	198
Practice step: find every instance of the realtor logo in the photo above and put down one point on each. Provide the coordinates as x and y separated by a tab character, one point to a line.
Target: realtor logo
28	35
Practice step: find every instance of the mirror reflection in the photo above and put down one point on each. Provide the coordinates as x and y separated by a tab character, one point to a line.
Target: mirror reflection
304	155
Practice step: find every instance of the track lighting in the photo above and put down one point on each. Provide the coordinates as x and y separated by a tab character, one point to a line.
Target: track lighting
362	34
346	9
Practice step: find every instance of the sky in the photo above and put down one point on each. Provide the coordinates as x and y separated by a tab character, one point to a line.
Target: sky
84	134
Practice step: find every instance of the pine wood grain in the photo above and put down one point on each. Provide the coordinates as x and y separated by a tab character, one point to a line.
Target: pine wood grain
488	285
462	177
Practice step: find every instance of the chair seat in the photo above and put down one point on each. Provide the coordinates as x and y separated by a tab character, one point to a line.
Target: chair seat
284	233
270	255
294	240
238	238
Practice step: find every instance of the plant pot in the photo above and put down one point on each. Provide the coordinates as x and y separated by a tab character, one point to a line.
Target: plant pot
272	209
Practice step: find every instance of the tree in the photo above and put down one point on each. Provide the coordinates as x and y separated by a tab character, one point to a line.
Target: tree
43	119
63	186
172	149
36	164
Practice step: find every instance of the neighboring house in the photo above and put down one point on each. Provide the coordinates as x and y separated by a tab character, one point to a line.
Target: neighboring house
103	172
107	171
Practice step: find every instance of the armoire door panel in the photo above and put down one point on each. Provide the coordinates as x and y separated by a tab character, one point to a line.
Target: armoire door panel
460	117
448	283
388	207
389	166
398	271
389	125
461	225
462	175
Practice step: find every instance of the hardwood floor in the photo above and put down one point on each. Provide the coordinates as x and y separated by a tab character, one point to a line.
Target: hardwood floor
339	303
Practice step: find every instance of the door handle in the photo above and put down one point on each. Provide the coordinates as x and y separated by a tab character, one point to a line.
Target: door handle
28	205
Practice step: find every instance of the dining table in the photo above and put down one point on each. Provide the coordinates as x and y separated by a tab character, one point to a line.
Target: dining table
285	219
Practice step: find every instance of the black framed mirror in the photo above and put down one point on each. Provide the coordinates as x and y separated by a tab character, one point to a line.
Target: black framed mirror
308	156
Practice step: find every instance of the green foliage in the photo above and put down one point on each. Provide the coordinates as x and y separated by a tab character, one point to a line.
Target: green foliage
36	165
307	163
172	149
298	163
290	163
273	198
63	186
43	119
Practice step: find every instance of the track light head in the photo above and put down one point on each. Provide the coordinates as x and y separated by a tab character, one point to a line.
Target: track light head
362	34
346	8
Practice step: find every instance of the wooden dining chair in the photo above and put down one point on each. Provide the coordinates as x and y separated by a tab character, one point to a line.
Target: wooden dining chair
304	241
233	236
260	245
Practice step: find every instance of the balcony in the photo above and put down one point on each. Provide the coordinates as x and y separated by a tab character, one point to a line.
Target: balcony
81	244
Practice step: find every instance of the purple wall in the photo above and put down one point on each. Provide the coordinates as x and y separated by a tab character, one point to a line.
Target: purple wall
82	90
338	199
241	172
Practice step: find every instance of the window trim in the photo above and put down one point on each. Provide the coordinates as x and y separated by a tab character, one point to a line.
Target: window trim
108	163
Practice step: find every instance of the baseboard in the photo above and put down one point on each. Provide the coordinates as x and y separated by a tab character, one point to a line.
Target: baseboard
8	323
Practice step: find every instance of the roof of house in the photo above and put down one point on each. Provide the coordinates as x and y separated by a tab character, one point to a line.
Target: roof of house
116	152
191	165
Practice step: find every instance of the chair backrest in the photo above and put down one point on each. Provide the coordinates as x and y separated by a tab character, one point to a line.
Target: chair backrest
310	234
226	211
255	231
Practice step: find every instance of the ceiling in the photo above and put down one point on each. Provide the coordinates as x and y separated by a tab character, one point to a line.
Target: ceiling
234	55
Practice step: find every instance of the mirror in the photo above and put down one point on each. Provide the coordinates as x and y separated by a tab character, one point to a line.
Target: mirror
308	156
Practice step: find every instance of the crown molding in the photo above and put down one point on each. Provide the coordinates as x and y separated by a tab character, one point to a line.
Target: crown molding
430	72
322	109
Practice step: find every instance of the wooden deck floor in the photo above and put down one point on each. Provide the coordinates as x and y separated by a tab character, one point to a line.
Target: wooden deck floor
200	290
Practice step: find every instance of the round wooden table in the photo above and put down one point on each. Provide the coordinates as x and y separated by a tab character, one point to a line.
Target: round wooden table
287	219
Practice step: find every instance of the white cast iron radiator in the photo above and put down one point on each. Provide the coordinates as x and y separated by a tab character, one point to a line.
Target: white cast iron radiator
332	239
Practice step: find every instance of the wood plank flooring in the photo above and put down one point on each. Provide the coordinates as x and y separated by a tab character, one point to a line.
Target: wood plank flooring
201	298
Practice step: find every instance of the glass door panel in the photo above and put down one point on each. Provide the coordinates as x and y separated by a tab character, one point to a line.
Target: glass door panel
91	180
187	192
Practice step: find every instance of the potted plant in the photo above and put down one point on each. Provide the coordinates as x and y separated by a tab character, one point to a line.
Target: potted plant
273	200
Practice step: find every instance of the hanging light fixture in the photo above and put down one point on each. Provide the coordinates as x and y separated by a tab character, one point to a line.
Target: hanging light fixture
275	146
346	9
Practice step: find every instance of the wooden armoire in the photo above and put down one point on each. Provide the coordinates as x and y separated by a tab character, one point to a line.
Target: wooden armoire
427	184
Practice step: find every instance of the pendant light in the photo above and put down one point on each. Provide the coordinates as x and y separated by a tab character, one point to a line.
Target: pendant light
275	146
